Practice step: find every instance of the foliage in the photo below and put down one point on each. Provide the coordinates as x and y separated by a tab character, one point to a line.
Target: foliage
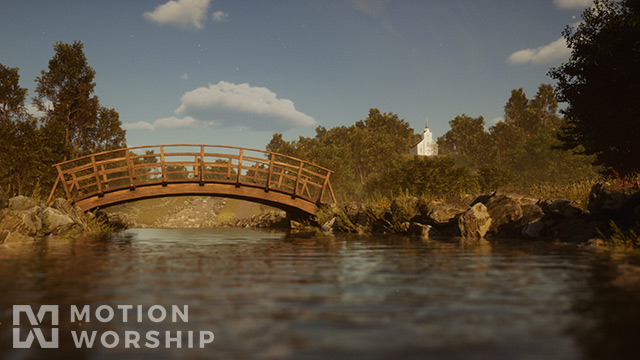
621	239
425	176
522	150
354	153
75	124
466	140
85	126
600	83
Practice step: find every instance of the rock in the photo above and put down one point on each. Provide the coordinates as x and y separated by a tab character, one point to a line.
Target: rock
445	213
24	221
533	230
330	226
419	230
519	196
22	203
531	213
4	200
561	208
55	222
475	222
7	236
74	211
614	201
505	212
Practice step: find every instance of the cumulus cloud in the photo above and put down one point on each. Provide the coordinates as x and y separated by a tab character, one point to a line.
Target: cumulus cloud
181	13
227	104
242	105
172	123
551	53
220	16
572	4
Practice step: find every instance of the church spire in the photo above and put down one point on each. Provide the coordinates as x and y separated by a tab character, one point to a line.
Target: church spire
426	122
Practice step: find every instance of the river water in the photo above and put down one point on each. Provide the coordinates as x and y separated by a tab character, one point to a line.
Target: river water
272	295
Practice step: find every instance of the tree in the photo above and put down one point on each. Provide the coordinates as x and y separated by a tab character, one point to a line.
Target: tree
11	94
68	84
467	140
356	152
20	137
600	84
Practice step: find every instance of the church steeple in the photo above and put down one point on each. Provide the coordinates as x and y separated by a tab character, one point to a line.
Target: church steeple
426	122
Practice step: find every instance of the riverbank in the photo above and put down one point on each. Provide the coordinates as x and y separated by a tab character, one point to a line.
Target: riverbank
612	213
23	218
611	217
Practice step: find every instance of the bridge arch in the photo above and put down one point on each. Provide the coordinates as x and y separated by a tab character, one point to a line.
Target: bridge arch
129	174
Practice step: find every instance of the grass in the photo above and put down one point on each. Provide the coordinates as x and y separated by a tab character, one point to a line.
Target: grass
627	240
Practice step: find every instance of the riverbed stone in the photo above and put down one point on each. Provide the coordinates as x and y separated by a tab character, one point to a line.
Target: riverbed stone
515	194
561	208
445	213
55	222
25	222
534	229
475	222
505	212
420	230
22	203
330	226
614	202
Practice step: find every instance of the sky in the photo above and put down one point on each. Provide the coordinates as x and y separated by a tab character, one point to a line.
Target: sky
235	72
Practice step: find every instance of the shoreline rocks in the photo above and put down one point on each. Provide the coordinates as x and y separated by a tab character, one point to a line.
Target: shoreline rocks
506	213
23	218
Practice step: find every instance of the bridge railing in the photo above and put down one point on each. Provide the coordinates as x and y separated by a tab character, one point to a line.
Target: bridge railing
97	174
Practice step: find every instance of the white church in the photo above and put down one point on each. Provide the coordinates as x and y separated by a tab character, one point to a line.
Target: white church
426	146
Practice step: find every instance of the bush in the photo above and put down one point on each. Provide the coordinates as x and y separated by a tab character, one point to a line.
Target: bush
430	177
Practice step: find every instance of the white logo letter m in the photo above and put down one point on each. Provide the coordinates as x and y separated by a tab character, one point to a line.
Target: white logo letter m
20	344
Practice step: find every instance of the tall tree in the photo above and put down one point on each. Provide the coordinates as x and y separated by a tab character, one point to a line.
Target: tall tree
601	82
466	140
20	142
12	96
356	152
68	85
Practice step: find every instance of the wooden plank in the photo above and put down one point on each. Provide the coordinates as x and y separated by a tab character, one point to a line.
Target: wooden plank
239	168
162	165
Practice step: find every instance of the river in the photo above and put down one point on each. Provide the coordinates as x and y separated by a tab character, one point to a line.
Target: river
273	295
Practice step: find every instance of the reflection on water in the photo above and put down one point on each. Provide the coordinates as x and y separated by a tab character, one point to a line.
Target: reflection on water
268	295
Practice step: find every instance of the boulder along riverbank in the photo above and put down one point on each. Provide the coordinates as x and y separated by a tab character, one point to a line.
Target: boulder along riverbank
505	213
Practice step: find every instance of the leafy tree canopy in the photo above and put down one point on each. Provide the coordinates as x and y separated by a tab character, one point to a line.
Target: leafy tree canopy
601	82
68	85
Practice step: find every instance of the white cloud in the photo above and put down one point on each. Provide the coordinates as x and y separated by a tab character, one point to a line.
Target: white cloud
33	109
551	53
573	4
182	13
184	76
229	104
140	125
172	123
220	16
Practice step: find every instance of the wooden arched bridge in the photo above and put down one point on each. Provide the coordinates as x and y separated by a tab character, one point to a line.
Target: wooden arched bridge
142	172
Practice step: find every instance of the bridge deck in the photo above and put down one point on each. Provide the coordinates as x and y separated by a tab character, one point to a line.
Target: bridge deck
134	173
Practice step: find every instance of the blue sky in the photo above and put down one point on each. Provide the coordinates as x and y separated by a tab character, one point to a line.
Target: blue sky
234	72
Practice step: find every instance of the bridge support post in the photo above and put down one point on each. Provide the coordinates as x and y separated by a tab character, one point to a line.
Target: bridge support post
131	171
